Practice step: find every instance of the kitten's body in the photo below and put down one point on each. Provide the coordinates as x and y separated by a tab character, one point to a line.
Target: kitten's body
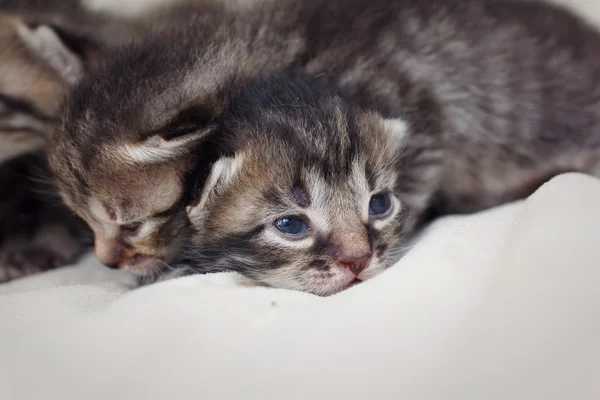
497	95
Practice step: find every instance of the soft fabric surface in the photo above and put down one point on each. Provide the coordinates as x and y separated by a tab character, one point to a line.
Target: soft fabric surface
499	305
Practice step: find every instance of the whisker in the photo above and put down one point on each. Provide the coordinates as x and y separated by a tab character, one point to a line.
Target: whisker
167	265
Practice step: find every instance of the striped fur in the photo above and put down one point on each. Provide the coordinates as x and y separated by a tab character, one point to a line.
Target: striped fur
497	95
299	148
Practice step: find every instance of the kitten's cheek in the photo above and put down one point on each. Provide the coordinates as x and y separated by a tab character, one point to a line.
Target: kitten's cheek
390	219
374	269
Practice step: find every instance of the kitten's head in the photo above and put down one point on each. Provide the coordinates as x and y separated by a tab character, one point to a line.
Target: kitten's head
308	198
129	135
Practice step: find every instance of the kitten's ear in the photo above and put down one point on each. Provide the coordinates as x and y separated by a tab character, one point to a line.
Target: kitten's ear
221	175
161	147
47	45
396	130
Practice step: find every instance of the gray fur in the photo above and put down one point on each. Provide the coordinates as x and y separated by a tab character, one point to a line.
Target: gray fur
497	95
287	135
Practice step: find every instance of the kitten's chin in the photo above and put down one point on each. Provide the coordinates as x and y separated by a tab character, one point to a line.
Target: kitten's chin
371	272
351	281
334	286
142	265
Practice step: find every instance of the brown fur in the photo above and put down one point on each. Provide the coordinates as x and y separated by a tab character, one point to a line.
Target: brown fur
497	95
287	135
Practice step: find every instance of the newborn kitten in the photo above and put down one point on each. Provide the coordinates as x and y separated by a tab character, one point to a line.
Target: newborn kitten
314	193
507	86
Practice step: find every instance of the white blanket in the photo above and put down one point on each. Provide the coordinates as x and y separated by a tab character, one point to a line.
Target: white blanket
500	305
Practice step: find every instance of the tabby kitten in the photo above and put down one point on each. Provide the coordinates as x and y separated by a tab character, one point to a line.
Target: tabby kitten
314	193
308	195
502	86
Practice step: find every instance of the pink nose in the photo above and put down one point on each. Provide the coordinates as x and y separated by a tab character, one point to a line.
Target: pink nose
111	257
356	264
109	254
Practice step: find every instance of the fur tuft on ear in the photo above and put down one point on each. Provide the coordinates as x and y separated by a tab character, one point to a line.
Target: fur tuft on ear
221	174
157	149
47	45
396	130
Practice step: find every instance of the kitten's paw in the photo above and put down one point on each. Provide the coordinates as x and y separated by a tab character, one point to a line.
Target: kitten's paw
53	247
28	261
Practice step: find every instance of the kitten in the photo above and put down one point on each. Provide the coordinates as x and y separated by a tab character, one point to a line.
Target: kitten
314	193
496	85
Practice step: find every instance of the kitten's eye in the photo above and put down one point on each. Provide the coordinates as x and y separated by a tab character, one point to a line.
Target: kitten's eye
379	205
131	228
292	226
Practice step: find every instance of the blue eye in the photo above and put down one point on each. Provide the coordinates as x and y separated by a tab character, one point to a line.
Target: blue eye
379	205
292	226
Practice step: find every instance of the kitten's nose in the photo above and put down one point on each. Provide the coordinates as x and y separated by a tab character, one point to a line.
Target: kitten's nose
109	254
356	264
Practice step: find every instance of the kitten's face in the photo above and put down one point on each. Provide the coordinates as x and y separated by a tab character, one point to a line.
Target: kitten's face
128	137
135	213
309	200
